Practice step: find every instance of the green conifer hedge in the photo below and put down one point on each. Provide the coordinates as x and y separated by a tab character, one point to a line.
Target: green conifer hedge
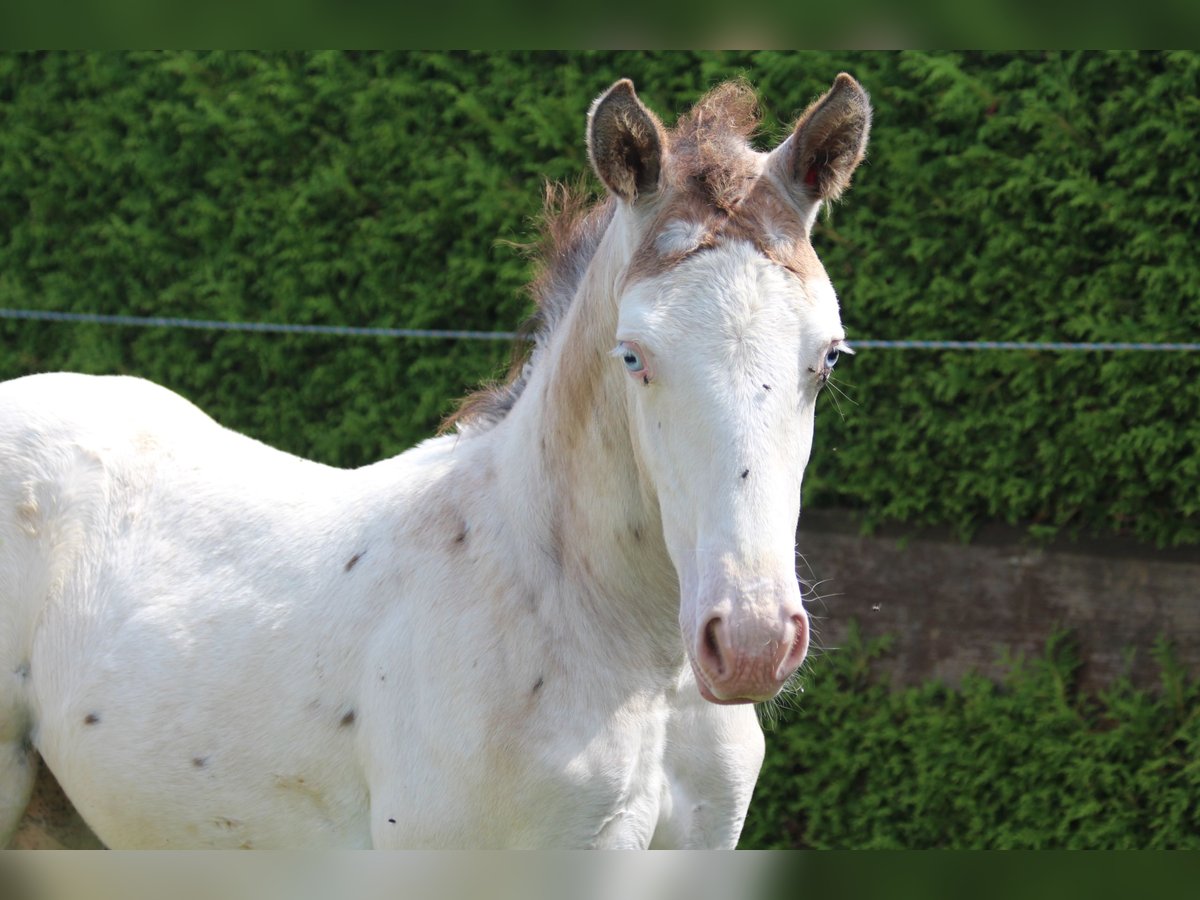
1026	763
1006	196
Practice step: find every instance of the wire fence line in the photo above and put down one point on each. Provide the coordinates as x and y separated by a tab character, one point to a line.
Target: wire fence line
452	334
272	327
1025	345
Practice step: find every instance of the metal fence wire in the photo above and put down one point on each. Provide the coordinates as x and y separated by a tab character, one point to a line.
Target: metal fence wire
451	334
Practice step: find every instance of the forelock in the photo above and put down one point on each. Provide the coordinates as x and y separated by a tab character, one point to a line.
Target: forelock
710	148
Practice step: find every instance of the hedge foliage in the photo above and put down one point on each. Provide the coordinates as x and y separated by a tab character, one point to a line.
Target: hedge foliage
1007	196
1027	763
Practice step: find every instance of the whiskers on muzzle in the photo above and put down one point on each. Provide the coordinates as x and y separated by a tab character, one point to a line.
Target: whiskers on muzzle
790	697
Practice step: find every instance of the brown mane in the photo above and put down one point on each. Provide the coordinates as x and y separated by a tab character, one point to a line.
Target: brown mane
571	228
711	165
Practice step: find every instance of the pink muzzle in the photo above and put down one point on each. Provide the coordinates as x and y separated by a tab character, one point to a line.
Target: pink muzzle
745	652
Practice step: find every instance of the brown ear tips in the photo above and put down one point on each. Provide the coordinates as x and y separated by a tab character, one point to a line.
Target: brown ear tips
830	140
622	86
626	142
620	90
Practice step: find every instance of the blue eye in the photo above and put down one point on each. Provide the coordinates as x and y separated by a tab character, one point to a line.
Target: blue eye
633	360
636	361
831	358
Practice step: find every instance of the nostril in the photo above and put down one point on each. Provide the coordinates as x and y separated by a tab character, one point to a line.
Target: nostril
713	660
797	650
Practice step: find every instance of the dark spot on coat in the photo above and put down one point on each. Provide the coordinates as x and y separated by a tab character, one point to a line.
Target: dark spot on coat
637	534
199	761
462	537
348	719
745	472
91	719
353	561
392	821
645	379
22	671
766	387
554	550
537	686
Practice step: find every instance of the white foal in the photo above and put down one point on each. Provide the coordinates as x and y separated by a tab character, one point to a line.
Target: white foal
546	629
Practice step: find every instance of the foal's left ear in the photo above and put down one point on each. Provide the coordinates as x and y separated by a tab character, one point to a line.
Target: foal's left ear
828	143
626	143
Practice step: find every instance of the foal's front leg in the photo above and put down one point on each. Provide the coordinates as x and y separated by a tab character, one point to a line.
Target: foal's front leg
712	761
18	769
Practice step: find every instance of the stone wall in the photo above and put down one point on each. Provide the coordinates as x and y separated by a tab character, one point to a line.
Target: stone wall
955	607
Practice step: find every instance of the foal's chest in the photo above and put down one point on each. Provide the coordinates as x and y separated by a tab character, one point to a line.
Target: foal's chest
579	778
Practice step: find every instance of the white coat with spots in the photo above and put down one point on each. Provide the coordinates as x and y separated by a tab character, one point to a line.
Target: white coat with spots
545	629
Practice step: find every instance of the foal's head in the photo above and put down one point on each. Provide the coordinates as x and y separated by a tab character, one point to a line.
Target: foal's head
728	329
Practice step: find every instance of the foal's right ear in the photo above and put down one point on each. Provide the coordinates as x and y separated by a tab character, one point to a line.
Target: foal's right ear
626	143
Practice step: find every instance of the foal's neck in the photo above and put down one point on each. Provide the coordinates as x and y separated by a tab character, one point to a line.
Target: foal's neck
599	518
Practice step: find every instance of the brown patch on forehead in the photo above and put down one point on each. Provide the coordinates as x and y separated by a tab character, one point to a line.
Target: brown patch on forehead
762	217
773	223
718	185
